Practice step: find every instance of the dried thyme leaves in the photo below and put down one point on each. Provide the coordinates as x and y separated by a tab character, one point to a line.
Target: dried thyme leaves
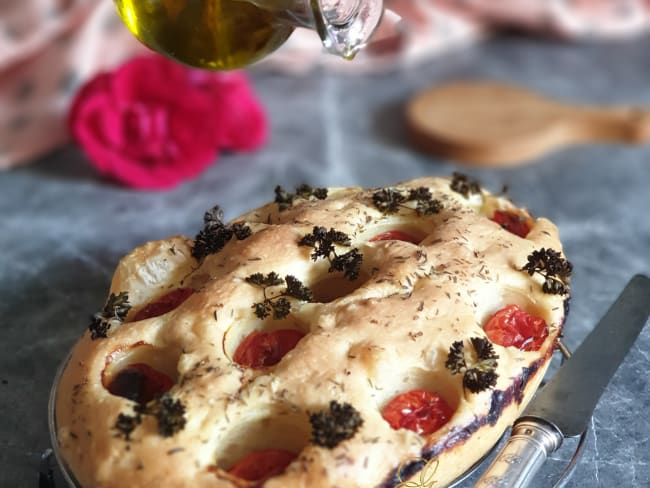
329	428
215	234
115	311
278	305
168	412
478	367
285	199
324	243
390	200
553	267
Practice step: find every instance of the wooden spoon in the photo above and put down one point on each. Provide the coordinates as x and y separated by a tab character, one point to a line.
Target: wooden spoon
494	124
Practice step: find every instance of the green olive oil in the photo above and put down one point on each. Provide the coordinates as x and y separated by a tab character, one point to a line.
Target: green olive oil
210	34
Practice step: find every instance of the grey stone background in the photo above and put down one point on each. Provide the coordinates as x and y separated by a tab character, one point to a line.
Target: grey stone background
62	229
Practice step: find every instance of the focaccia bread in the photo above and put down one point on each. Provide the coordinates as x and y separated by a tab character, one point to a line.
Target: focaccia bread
332	338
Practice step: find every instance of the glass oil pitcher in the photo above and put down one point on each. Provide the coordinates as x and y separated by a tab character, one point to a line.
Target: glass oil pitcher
229	34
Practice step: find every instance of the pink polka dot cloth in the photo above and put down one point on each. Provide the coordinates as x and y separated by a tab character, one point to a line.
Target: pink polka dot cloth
428	27
49	48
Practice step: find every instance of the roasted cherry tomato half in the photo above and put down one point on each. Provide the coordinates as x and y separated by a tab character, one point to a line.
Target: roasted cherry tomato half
262	349
512	222
261	465
512	326
164	304
421	411
140	382
395	235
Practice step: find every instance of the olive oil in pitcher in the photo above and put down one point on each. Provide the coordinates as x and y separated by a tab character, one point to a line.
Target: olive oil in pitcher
229	34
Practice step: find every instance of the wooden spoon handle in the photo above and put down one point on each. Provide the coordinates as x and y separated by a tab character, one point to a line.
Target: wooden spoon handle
626	125
495	124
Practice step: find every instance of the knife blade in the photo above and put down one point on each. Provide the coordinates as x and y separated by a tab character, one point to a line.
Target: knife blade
563	407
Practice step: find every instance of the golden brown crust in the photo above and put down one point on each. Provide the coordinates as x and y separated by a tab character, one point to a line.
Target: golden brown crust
385	333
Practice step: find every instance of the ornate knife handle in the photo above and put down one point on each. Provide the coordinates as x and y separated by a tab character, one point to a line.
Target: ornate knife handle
531	442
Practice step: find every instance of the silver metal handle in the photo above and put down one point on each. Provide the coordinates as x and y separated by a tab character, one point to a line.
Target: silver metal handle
531	442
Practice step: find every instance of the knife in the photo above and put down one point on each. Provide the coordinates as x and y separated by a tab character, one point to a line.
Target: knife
563	407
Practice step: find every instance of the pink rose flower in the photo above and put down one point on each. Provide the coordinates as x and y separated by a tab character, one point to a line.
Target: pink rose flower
245	128
153	123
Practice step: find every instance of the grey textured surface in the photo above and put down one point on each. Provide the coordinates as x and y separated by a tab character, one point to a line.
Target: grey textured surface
62	230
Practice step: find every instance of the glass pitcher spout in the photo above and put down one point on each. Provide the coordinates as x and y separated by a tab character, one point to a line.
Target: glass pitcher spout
345	26
230	34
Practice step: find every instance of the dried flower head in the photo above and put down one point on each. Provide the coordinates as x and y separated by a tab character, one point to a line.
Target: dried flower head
478	367
126	424
168	412
390	200
553	267
464	185
277	305
285	199
329	428
324	243
215	234
115	311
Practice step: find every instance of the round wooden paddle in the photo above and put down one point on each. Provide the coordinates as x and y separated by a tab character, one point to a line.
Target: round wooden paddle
494	124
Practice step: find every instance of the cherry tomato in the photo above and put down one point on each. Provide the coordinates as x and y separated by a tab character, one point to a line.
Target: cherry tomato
140	382
164	304
261	349
261	465
512	222
512	326
395	235
421	411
